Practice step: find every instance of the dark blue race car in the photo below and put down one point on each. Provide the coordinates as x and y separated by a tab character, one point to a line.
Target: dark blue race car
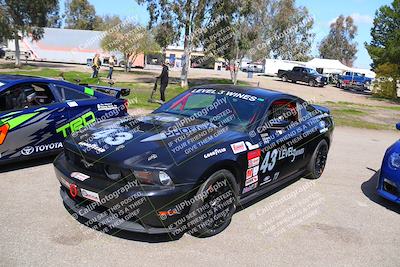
389	179
189	164
36	114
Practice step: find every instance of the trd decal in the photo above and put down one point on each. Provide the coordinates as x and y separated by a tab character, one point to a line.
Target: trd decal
77	124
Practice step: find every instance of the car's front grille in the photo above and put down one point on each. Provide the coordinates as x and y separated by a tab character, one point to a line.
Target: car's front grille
97	167
391	189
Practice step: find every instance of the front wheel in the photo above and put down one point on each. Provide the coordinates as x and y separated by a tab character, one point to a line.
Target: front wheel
215	204
318	160
311	83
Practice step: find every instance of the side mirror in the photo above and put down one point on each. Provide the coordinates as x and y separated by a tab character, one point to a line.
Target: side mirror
398	126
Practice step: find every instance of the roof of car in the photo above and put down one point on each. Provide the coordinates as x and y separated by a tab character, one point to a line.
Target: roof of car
6	78
257	91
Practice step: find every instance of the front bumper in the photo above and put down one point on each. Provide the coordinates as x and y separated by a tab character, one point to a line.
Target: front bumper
134	208
388	188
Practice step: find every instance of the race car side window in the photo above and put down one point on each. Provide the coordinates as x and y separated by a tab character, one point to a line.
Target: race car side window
25	96
306	111
71	94
283	109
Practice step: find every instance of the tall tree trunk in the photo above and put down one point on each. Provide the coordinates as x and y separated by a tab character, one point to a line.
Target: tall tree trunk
126	62
186	54
17	51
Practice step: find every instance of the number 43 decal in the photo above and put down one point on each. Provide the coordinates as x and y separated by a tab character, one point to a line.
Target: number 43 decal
3	132
269	161
112	137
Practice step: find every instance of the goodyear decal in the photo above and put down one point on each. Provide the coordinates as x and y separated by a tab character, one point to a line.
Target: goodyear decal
77	124
7	123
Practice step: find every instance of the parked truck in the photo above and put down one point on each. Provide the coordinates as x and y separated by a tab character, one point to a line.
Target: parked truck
353	80
303	74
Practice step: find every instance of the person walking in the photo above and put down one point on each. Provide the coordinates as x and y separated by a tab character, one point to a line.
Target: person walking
111	64
96	63
163	80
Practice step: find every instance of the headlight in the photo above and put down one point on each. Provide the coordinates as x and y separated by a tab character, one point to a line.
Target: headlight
394	161
153	178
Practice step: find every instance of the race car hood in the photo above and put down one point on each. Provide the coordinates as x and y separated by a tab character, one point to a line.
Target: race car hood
158	140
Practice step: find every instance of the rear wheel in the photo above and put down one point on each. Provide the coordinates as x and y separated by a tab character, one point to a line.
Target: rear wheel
317	163
216	202
285	78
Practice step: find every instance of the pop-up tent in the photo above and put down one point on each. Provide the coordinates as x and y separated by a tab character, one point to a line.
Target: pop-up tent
329	66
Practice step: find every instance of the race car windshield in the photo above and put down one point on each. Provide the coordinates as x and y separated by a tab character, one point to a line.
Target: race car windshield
216	106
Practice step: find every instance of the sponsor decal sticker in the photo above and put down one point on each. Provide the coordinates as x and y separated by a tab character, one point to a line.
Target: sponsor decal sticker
255	170
323	129
254	154
227	93
266	180
238	147
90	195
89	91
250	146
215	152
276	175
254	162
249	188
28	150
249	173
251	180
80	176
106	106
72	104
77	124
94	147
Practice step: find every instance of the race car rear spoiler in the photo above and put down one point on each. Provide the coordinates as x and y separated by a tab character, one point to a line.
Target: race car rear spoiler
112	91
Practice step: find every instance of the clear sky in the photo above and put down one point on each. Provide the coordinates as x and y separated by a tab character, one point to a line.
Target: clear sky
324	12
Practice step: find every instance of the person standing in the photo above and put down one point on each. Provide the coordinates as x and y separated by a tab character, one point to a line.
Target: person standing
96	65
163	80
111	64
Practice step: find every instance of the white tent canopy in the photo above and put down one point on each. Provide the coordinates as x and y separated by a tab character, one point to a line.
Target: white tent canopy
329	66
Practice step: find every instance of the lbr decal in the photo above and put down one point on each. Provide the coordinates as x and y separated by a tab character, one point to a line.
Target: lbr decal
77	124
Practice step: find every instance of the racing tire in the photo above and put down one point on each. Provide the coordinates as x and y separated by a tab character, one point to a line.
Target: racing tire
316	166
215	204
285	78
311	83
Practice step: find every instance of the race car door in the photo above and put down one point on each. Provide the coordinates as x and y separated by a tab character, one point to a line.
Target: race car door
282	149
29	114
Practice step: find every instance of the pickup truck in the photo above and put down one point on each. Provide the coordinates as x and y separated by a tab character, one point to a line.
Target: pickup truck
302	74
353	80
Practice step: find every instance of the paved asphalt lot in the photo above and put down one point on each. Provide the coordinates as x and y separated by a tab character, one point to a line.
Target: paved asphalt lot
336	221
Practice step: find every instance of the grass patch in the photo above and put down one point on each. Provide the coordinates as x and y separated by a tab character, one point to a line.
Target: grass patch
140	92
357	123
356	115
